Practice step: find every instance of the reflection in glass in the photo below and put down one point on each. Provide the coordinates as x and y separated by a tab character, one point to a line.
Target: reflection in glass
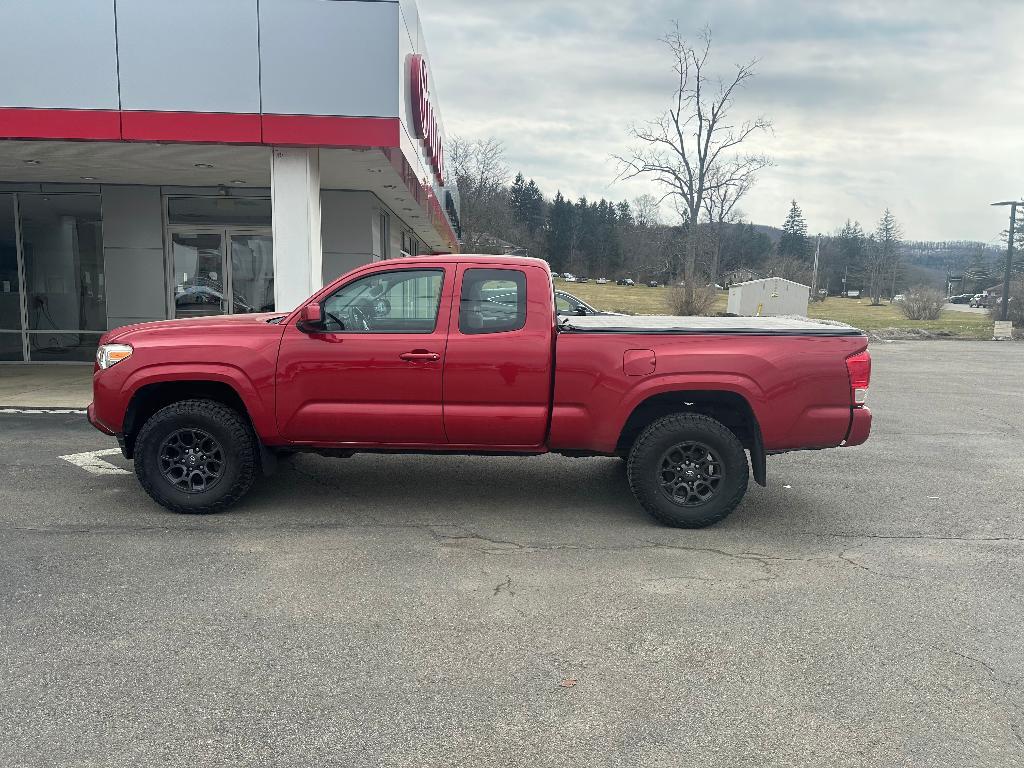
10	346
10	296
78	347
198	275
252	273
63	249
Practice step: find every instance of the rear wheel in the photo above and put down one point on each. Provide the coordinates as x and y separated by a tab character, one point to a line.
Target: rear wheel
688	470
196	456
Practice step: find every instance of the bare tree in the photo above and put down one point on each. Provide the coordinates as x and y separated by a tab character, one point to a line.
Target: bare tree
482	177
720	209
645	211
693	148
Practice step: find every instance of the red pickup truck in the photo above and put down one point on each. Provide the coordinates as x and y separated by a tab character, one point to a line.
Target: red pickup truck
465	354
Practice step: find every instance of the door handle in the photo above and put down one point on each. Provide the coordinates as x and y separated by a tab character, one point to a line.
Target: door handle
420	356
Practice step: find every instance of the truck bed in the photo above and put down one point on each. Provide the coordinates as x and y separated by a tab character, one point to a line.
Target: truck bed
672	325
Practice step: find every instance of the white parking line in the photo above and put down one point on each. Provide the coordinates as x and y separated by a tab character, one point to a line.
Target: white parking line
91	462
43	410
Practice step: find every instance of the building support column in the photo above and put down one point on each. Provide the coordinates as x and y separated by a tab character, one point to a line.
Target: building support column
295	197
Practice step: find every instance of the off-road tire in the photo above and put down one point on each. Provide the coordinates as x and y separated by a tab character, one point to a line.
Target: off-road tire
645	464
231	430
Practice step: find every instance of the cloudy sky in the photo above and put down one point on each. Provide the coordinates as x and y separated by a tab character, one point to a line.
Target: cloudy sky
911	104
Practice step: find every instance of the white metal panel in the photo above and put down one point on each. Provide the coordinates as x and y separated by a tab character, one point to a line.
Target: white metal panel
770	296
329	57
58	55
190	55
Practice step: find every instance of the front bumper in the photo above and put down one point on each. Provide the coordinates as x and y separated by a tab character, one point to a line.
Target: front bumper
860	427
90	414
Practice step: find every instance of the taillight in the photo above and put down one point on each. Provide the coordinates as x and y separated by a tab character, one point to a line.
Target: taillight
859	368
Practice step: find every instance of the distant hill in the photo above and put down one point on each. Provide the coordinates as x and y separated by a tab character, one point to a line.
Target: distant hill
774	233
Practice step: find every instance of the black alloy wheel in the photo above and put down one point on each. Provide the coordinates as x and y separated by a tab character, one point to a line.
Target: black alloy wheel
191	460
690	474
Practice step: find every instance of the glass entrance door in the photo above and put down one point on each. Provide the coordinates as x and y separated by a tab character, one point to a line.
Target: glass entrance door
221	271
197	260
252	272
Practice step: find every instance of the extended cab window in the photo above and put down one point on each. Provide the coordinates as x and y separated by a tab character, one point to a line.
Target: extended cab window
493	301
403	301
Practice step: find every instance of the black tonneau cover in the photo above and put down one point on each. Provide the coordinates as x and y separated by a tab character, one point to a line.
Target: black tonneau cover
671	325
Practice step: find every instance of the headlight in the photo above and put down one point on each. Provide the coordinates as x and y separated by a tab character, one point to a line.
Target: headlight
109	354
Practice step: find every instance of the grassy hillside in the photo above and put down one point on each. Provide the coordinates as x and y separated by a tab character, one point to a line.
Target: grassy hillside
857	312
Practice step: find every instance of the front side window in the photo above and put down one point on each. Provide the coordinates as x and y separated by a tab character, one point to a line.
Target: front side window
492	301
403	301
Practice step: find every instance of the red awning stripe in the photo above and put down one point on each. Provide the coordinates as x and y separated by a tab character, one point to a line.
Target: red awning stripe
199	127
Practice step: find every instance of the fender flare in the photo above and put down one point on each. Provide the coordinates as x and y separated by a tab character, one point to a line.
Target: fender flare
742	386
259	412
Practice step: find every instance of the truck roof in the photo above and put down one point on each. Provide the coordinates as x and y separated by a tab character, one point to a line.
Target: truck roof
477	258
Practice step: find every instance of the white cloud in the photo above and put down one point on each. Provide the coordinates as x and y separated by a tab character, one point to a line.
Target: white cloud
912	105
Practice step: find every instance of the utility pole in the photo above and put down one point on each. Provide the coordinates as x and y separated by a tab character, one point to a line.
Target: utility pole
814	276
1005	311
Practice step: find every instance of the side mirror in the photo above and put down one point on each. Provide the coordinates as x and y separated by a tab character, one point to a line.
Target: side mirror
311	318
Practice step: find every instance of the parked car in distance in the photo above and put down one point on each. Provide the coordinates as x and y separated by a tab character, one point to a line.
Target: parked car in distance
853	294
898	298
569	305
464	354
652	283
602	281
569	277
980	300
625	281
963	298
582	279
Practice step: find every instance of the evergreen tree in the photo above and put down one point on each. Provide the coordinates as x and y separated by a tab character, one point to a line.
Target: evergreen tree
850	266
532	208
526	204
559	233
794	243
886	268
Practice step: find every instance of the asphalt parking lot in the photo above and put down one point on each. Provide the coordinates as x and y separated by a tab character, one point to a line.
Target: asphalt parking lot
865	609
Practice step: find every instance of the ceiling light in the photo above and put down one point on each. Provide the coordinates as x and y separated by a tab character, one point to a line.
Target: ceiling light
238	181
390	186
202	165
32	162
87	178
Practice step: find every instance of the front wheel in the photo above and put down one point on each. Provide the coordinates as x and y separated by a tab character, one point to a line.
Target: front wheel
196	456
688	470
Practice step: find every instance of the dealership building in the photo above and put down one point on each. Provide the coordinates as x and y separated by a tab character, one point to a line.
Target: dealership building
173	159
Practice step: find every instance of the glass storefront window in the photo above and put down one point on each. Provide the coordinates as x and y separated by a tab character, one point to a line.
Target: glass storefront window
62	243
10	291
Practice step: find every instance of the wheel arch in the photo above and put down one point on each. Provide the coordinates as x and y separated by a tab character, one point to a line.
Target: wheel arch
731	409
148	398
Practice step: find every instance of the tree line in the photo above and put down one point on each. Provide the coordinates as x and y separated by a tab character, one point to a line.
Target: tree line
501	213
694	154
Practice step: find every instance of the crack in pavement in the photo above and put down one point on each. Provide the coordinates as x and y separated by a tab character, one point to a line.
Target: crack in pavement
504	586
1009	702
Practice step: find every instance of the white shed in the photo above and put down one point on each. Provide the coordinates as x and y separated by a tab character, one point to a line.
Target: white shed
770	296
